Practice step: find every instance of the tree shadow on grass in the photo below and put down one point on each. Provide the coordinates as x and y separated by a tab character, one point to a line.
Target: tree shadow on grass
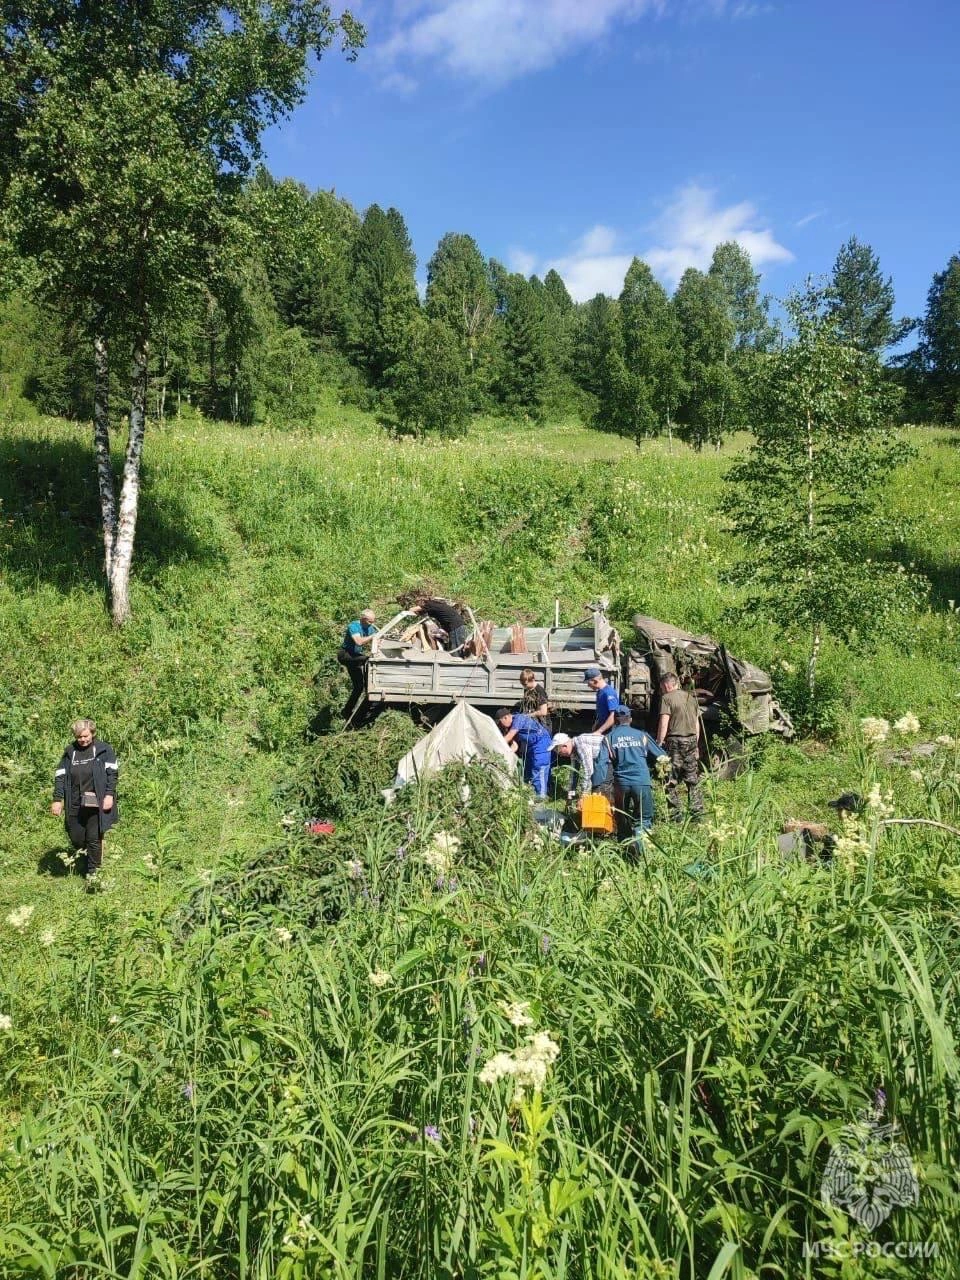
50	518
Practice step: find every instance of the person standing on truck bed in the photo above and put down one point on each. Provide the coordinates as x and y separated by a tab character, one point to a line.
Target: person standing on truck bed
354	654
446	615
533	701
607	699
677	731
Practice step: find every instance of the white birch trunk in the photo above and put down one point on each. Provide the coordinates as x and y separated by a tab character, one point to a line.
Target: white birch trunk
101	449
130	489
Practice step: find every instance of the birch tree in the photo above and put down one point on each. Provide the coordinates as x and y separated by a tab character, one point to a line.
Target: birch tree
128	129
806	500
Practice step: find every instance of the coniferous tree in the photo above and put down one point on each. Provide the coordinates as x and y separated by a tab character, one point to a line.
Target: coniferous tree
651	382
430	389
520	383
594	335
383	292
709	406
938	355
459	294
860	300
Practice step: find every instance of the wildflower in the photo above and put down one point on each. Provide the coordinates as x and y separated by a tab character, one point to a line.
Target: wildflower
916	775
527	1066
497	1068
354	869
545	944
534	1061
114	1053
907	724
851	844
440	852
283	934
944	740
874	729
380	978
432	1133
880	803
187	1090
47	938
6	1022
113	1019
516	1013
288	821
149	864
205	875
20	918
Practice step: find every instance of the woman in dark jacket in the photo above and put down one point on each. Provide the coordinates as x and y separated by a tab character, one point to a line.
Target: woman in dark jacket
85	791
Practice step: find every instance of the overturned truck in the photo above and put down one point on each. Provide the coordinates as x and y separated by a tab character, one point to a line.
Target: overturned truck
407	667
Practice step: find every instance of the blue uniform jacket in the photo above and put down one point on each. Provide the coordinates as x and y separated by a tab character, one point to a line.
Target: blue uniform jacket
629	749
531	738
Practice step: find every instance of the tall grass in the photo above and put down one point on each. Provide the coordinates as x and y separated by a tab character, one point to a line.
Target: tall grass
201	1079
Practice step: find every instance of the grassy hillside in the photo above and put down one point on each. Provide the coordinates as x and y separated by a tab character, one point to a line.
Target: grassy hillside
715	1027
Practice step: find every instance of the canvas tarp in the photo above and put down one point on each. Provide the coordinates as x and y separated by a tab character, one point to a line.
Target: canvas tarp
464	734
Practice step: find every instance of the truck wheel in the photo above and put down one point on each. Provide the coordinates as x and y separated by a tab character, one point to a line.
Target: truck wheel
728	758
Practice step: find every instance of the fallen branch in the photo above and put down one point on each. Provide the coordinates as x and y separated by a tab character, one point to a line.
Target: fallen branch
918	822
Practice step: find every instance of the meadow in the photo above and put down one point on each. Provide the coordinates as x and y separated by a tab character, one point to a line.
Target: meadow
259	1053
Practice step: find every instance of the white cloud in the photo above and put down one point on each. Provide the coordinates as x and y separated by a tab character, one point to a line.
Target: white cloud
522	261
498	40
593	266
692	226
809	217
687	232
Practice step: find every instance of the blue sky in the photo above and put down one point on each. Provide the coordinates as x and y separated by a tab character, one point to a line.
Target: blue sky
577	133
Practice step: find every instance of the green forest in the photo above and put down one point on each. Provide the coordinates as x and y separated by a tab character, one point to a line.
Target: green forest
290	1031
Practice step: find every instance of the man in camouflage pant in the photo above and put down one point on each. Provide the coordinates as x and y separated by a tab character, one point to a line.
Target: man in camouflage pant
677	732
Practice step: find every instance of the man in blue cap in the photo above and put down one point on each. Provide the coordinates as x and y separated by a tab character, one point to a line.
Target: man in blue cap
607	699
628	751
532	743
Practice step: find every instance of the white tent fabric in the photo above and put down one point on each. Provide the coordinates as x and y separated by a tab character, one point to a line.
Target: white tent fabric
464	734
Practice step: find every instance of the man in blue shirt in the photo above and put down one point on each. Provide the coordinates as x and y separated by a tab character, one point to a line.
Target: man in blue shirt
354	654
532	742
628	751
607	699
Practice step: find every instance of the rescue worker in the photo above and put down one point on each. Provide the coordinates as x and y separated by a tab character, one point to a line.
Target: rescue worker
627	751
677	731
607	699
582	752
354	654
531	741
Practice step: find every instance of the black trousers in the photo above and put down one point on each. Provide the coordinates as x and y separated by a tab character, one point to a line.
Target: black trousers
357	671
83	828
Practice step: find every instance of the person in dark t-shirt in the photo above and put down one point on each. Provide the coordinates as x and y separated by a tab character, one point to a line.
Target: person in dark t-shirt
446	615
533	701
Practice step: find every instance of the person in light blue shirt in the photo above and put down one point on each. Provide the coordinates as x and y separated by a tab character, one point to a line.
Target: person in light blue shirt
354	654
532	743
627	752
607	699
